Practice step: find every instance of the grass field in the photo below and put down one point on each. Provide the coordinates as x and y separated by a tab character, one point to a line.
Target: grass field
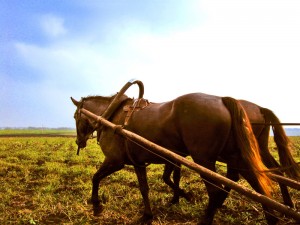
37	132
43	181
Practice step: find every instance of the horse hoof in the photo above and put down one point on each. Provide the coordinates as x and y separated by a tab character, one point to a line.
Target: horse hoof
146	220
97	210
204	223
174	201
271	220
289	204
189	196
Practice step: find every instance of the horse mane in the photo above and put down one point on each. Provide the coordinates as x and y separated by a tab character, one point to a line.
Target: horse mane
95	97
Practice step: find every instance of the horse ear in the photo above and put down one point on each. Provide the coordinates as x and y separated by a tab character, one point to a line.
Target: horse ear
74	101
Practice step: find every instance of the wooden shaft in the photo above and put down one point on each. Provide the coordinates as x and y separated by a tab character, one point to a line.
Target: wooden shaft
286	181
196	167
273	124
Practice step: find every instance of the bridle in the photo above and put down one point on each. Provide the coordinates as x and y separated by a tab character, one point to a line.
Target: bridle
78	118
115	103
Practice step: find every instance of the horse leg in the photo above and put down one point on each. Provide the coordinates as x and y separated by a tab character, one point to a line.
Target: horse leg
233	175
176	179
270	162
177	191
144	188
216	194
252	180
107	168
287	200
169	168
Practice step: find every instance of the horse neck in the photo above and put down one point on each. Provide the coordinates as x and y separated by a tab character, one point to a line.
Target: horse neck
99	104
96	105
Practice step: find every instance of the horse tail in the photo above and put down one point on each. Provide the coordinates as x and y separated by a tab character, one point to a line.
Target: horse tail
283	145
247	142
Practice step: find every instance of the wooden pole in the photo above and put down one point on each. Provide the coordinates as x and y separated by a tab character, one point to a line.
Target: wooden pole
196	167
273	124
286	181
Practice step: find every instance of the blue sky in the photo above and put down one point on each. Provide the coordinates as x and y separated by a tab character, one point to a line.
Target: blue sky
51	50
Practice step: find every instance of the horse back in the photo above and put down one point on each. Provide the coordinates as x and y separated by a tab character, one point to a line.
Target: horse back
196	123
253	111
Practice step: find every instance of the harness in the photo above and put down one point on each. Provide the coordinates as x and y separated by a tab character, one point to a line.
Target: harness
137	105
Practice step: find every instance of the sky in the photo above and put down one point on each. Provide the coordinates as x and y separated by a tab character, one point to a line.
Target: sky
52	50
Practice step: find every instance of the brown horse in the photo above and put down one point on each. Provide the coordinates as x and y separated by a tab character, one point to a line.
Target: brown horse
258	115
203	126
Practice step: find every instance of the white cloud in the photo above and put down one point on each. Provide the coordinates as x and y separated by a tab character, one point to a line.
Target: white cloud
262	22
53	26
244	49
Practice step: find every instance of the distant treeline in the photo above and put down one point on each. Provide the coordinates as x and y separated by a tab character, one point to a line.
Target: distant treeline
36	128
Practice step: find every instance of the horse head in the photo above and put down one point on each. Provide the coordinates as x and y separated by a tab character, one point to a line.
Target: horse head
84	126
102	106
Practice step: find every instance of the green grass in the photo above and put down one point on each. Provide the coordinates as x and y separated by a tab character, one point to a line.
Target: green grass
36	131
43	181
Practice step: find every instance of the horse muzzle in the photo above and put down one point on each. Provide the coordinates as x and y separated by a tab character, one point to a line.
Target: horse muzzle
81	144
